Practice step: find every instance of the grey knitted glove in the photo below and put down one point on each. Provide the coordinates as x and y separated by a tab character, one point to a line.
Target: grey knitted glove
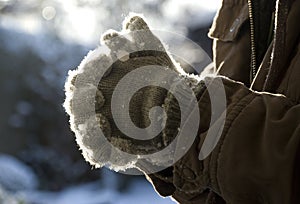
90	93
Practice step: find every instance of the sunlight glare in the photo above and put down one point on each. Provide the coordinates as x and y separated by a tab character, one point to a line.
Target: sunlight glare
81	21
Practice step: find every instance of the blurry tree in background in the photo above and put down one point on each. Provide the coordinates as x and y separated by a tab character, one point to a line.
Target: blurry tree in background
40	40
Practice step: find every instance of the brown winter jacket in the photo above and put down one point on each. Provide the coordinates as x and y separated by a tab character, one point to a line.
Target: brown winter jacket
257	159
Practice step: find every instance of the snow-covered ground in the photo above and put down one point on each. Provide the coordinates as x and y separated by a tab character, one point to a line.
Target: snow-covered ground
18	184
139	192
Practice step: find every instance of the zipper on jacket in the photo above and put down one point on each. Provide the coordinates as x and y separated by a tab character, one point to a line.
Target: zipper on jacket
252	39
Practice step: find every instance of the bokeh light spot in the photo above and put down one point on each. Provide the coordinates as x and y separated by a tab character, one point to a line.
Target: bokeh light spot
48	13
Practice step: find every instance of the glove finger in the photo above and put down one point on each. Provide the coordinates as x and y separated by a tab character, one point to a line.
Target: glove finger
119	45
141	34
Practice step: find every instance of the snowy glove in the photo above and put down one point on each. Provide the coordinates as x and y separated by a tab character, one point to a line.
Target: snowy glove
90	93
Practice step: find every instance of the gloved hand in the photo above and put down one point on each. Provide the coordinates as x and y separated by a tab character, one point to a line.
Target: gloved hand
90	98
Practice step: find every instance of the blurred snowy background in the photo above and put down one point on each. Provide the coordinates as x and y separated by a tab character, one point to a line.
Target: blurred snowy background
40	40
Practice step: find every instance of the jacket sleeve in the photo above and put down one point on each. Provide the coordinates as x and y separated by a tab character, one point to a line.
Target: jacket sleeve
256	159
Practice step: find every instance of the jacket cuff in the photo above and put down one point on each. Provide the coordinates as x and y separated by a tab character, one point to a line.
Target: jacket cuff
163	182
